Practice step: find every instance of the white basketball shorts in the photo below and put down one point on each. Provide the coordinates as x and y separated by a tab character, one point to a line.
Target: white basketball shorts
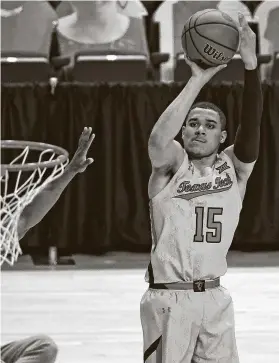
188	327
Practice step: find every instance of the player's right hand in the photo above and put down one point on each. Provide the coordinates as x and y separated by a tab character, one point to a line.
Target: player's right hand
204	75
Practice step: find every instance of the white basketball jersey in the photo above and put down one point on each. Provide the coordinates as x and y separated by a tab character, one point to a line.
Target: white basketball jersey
193	221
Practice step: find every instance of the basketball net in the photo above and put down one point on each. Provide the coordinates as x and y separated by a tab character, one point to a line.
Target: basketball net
13	203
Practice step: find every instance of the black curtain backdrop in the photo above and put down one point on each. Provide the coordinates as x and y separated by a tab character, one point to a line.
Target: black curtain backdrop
106	208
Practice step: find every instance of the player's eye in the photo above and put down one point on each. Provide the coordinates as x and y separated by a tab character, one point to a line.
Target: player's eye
193	124
210	126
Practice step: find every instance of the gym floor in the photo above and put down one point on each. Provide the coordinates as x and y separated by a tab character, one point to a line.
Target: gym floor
91	309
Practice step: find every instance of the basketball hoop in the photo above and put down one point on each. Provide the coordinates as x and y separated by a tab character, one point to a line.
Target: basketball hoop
47	162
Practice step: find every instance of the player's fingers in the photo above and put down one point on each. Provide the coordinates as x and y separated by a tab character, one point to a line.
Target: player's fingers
187	60
242	21
218	68
88	131
85	141
92	137
195	69
87	163
85	136
89	142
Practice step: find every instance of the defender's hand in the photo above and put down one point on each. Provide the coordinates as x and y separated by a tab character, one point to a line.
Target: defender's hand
204	75
80	161
247	48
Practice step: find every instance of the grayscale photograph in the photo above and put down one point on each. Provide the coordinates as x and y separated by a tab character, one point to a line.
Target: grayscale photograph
139	181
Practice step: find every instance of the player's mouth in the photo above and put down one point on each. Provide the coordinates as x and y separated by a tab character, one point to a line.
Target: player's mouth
199	140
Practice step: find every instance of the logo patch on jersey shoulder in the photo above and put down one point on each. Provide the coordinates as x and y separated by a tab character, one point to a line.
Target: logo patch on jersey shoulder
189	191
223	167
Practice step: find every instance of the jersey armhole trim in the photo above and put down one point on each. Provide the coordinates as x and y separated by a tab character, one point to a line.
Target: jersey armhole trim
229	159
171	180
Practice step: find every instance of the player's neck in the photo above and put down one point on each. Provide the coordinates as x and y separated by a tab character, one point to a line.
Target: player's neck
205	163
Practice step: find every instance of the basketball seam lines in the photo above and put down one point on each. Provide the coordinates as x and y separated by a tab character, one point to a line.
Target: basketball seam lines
184	37
205	12
196	26
197	18
211	40
195	44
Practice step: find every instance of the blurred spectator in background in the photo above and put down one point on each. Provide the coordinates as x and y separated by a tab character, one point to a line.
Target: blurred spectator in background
101	26
267	14
26	26
272	29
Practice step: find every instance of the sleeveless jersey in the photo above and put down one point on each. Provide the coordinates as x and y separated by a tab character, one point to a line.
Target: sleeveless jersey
193	221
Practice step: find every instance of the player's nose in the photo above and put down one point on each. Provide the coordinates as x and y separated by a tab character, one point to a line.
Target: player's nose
200	130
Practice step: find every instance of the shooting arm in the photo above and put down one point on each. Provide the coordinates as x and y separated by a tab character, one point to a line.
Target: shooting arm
34	212
247	141
162	147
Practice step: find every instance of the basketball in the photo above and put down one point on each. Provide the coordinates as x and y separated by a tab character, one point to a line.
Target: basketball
210	38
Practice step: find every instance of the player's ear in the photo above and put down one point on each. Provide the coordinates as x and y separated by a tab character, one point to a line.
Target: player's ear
223	136
183	130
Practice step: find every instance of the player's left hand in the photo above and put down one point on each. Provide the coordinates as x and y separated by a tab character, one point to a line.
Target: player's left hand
247	47
80	162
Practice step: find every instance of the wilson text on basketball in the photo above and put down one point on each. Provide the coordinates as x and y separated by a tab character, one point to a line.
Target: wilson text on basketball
214	53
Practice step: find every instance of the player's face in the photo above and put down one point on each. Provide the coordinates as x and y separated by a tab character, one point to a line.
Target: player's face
202	133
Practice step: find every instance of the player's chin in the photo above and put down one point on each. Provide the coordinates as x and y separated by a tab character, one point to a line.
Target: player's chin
196	151
196	148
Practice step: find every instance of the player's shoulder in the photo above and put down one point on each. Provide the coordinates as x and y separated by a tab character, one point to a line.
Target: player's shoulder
242	170
226	156
224	164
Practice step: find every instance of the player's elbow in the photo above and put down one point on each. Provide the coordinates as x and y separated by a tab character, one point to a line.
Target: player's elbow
153	140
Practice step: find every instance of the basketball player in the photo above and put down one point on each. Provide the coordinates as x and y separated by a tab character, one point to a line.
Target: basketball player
196	197
41	348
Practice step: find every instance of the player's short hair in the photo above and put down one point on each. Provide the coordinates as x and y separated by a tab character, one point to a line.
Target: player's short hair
210	106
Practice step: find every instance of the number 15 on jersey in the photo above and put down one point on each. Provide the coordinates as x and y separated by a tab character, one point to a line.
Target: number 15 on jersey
213	233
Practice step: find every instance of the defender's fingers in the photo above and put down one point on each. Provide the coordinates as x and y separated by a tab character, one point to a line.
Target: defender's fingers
86	145
84	137
87	162
89	142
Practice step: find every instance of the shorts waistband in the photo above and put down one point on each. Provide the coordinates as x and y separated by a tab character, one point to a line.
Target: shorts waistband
197	285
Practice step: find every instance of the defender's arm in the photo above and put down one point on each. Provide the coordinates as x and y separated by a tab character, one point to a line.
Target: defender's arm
34	212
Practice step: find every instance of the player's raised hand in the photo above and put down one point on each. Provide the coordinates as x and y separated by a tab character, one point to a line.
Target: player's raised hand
80	161
204	75
247	48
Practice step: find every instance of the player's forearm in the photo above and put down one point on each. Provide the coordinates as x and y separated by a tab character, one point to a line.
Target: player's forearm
172	119
34	212
247	140
252	104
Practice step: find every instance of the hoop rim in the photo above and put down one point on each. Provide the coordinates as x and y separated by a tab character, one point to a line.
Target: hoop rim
63	155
